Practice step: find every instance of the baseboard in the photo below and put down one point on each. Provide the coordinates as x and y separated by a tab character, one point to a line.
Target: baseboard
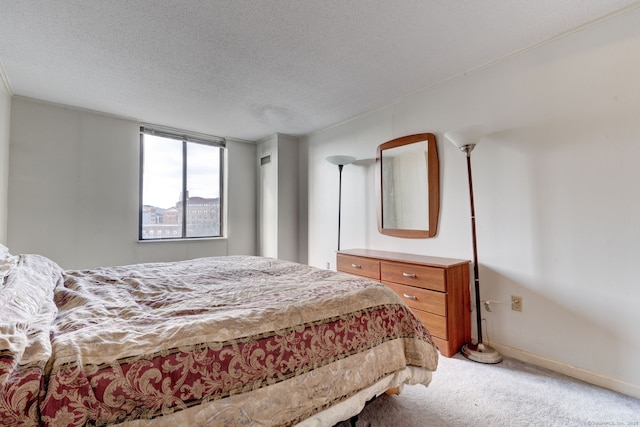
571	371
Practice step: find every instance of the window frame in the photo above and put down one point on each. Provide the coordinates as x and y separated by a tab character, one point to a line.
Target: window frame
184	137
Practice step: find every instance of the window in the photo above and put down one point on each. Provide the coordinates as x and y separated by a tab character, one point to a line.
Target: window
181	185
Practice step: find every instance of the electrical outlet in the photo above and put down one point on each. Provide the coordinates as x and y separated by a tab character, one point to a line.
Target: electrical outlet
516	303
328	265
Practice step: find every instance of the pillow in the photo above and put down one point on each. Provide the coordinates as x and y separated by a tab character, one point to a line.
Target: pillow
7	262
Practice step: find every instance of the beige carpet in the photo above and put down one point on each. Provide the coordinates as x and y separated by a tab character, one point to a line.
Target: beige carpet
511	393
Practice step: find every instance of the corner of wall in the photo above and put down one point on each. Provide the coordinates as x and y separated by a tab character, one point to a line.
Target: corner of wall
5	80
5	123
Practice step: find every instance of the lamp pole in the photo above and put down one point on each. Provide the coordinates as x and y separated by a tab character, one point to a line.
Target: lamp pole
465	140
340	161
339	201
475	244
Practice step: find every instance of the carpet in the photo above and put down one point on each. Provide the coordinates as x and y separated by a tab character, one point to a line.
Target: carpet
511	393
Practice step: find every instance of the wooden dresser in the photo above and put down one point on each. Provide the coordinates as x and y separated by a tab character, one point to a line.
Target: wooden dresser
436	289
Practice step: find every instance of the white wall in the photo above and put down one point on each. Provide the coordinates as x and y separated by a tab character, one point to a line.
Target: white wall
267	187
73	191
288	197
556	188
303	202
5	114
278	197
241	203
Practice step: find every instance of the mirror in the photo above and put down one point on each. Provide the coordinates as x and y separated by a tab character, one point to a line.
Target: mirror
408	186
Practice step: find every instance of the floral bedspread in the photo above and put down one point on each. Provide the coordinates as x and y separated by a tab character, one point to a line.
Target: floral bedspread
211	341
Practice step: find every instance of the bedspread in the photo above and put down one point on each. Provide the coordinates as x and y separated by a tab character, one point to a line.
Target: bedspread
211	341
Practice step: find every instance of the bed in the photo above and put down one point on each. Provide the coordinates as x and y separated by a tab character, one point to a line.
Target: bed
220	341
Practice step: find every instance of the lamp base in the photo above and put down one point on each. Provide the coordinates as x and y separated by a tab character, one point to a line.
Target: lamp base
481	353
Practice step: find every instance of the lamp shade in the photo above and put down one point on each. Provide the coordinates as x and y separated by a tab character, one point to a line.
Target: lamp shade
341	160
469	135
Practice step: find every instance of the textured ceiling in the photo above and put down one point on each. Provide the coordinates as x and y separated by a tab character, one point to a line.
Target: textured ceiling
250	68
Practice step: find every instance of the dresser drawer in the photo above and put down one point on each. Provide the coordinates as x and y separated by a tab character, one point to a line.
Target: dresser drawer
360	266
414	275
436	325
421	299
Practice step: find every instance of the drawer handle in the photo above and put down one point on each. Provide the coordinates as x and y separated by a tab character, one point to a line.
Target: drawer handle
356	266
413	297
409	275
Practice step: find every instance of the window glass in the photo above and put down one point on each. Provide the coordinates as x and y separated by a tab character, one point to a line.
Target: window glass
203	186
180	188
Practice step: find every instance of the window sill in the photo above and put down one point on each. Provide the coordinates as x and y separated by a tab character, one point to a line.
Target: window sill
189	240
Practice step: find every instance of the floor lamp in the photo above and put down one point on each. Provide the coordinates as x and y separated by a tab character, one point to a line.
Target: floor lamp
466	140
340	161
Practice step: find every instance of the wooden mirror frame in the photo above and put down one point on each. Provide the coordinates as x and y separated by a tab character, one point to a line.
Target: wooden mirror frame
433	186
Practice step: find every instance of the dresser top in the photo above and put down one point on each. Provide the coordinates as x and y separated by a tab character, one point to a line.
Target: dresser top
408	258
